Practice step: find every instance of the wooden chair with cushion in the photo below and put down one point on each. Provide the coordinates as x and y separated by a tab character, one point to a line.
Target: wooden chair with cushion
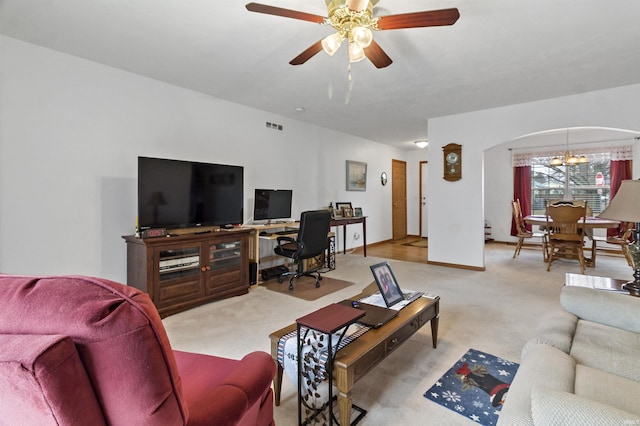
566	240
588	232
622	240
524	233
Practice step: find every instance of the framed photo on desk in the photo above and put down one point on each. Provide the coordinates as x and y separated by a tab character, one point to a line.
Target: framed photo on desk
339	210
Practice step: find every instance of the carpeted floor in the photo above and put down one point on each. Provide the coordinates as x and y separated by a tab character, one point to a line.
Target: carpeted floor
305	287
495	311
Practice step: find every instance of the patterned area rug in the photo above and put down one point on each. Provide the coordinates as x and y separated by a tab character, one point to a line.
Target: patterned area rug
475	387
305	287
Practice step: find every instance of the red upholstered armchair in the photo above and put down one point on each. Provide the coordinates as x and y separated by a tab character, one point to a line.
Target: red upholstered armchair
80	351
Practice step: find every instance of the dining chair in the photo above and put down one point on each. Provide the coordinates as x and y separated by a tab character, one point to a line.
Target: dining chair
523	233
566	239
622	240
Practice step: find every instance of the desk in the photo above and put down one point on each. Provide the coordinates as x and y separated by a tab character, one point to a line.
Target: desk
348	221
255	238
356	359
254	242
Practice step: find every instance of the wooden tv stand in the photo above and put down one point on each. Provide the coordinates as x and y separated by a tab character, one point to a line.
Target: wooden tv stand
183	271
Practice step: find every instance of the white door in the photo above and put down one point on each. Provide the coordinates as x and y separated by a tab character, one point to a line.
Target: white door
423	199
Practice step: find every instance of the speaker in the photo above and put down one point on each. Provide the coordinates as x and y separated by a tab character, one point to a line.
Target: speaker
253	273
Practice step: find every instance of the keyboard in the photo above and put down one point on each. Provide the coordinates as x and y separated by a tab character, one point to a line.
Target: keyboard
288	232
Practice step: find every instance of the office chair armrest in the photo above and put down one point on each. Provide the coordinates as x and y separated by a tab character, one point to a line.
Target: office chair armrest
285	240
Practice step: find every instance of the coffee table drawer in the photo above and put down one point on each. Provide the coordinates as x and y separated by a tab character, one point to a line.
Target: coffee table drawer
402	334
369	360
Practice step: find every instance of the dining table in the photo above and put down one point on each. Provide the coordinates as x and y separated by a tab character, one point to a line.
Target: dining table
589	223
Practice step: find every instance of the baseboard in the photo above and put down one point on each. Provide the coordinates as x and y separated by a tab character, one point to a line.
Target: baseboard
457	266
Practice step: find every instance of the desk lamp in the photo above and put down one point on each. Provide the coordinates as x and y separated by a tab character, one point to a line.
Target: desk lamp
625	207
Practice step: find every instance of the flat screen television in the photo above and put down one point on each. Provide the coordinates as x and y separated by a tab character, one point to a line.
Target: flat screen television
272	204
184	194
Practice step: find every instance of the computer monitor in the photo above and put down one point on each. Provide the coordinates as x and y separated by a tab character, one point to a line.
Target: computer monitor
272	204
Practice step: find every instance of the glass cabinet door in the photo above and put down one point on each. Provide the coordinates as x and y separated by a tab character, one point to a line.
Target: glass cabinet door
225	254
179	262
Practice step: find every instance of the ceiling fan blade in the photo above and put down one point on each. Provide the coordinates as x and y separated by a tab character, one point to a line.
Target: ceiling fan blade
287	13
377	56
309	53
431	18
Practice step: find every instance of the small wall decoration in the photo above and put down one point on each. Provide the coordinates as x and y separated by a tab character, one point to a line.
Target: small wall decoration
357	211
356	176
383	178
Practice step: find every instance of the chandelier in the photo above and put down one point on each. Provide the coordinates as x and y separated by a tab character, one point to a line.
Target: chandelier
568	158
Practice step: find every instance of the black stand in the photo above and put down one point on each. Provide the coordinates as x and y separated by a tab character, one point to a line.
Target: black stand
327	320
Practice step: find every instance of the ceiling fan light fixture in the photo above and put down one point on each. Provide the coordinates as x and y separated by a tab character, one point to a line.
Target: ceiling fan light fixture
363	36
583	159
356	53
572	160
332	43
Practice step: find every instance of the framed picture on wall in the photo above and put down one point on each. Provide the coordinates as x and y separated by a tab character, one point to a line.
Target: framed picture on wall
356	176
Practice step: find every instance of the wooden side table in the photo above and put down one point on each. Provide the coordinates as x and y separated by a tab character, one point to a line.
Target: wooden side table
327	320
597	283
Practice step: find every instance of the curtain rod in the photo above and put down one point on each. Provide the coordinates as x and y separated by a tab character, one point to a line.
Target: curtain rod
636	138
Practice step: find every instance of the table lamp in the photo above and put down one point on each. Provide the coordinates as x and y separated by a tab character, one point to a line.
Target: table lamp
625	207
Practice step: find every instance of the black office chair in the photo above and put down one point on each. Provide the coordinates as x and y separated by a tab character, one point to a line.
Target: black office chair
310	242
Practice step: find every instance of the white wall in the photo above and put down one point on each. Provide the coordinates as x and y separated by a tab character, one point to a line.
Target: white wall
70	134
457	209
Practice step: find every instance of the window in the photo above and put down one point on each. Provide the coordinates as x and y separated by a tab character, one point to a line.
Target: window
588	182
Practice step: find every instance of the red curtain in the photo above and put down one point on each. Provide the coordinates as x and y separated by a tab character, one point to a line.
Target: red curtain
521	191
620	170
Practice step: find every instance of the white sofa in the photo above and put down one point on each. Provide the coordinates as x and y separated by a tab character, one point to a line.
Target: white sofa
583	366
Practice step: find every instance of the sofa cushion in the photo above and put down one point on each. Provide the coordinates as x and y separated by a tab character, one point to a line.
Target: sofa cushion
607	388
553	407
118	334
614	309
607	348
42	381
544	365
555	329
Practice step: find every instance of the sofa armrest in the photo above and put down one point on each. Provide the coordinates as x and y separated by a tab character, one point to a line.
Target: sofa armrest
253	375
43	381
604	307
220	390
553	407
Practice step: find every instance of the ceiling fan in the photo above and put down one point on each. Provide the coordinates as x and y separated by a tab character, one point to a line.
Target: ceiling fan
353	20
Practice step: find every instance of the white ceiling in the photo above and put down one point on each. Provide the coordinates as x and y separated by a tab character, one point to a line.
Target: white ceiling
500	52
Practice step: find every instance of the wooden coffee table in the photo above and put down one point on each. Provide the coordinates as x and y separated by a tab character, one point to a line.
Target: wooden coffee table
360	356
